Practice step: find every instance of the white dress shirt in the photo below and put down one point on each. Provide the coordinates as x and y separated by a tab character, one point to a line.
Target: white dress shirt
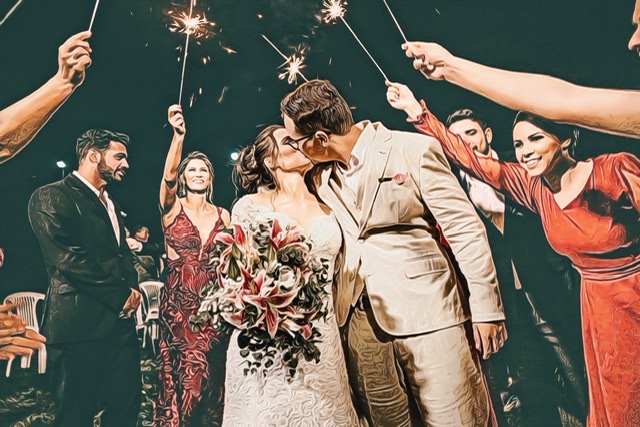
485	198
356	162
111	210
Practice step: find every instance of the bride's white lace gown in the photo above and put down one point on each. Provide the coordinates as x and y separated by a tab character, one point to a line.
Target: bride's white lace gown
319	394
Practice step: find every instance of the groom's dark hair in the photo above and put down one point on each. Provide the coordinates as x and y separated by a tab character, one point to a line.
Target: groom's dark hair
317	105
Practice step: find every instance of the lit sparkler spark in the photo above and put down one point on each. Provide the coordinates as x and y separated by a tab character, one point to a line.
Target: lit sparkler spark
333	9
227	49
293	64
195	25
190	22
293	68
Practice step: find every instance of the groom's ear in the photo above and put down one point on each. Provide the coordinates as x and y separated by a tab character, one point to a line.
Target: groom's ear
322	137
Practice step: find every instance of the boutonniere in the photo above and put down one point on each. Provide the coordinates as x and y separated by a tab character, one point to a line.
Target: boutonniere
398	178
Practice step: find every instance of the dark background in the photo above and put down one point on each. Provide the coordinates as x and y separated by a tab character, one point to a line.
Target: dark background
135	76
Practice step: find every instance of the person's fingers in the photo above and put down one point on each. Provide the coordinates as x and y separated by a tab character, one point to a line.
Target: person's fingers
33	335
82	46
84	35
477	338
490	346
78	53
8	306
14	350
27	343
79	65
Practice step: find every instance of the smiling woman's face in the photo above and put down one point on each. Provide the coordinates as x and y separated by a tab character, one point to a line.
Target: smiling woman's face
536	150
197	175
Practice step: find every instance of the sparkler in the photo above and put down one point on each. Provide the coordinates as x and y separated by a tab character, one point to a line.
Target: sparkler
95	9
194	26
293	65
13	9
335	9
396	21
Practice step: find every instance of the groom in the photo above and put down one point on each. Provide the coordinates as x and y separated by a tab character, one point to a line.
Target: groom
401	301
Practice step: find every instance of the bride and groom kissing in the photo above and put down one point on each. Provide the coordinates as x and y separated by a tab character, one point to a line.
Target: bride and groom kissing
399	325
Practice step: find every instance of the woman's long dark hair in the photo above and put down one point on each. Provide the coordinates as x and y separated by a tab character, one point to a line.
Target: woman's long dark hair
251	173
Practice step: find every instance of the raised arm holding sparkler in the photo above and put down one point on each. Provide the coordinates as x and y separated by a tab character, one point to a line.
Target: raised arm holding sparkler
20	122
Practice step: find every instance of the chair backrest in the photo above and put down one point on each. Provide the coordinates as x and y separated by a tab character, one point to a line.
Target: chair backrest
151	291
26	307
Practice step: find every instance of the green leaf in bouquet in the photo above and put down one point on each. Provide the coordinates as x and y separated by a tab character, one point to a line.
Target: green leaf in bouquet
243	340
234	268
244	353
270	253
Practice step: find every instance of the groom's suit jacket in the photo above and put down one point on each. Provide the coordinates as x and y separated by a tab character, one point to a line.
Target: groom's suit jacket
90	273
391	243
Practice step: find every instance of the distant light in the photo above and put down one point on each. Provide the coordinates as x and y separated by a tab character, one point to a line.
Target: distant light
235	156
61	164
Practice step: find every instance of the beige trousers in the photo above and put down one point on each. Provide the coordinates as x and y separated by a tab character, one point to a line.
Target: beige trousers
440	367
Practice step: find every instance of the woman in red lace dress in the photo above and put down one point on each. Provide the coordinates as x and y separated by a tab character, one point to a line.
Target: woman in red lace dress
191	364
590	213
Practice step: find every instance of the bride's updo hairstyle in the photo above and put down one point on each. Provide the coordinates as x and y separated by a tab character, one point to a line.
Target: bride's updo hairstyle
251	173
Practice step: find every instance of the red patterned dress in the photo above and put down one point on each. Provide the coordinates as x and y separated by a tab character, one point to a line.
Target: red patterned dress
191	364
600	232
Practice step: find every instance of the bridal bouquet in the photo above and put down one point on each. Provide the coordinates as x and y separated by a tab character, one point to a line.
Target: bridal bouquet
269	287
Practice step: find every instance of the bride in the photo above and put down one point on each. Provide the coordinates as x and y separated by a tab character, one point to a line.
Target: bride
272	173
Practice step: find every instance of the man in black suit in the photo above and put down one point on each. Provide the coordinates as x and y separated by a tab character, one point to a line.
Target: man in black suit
92	288
540	291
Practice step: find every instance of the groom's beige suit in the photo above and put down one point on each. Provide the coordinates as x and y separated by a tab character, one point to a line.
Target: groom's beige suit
404	187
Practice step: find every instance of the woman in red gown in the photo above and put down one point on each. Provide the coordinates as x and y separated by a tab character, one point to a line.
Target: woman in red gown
590	213
191	363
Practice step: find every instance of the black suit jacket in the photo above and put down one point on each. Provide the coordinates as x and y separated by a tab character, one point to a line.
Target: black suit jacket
552	284
90	274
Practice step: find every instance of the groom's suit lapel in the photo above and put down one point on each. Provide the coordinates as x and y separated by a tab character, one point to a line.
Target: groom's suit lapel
76	185
339	197
375	164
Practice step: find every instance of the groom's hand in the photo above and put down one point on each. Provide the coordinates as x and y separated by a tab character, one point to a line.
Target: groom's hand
489	337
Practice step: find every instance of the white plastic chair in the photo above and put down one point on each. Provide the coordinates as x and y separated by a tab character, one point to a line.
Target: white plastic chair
151	291
141	325
26	303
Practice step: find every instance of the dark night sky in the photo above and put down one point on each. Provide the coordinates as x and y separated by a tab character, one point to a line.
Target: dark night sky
135	76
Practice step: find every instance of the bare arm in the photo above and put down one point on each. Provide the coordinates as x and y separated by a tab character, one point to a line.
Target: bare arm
20	122
614	111
169	185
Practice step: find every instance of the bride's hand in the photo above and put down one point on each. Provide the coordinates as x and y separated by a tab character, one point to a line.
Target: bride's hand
176	119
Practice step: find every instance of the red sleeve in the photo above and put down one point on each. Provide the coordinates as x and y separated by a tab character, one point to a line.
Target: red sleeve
509	178
624	172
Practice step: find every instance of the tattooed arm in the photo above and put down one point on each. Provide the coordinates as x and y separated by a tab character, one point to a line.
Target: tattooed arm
20	122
